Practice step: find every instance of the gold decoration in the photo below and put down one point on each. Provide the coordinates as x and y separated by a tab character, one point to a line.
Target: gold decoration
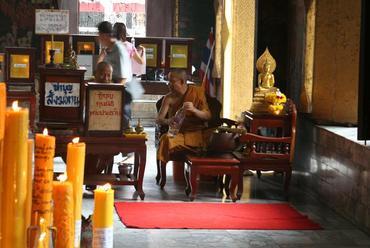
70	61
129	129
262	59
266	65
139	128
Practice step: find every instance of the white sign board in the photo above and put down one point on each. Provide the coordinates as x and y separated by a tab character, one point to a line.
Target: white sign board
62	94
86	61
105	110
50	21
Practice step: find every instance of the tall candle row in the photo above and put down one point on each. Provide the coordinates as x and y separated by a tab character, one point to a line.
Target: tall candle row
14	173
26	202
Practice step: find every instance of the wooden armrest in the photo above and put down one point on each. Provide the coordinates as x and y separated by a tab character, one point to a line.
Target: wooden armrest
250	137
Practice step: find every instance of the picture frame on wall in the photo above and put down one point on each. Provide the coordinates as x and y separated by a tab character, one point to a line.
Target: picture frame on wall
85	44
104	109
20	65
178	54
60	45
153	51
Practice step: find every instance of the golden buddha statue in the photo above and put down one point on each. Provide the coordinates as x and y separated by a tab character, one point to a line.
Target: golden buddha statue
266	79
265	65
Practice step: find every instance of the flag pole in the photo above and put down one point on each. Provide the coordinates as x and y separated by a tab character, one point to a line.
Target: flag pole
209	58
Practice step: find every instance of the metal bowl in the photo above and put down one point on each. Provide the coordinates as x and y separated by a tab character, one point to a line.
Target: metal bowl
125	168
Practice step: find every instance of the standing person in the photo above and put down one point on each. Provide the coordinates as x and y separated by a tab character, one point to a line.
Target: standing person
137	57
120	33
116	54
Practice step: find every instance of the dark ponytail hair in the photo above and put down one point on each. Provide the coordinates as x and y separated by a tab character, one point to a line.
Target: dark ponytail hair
119	31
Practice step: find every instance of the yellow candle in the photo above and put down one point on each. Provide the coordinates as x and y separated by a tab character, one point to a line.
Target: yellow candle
14	177
2	124
28	207
75	171
63	212
103	217
2	109
43	180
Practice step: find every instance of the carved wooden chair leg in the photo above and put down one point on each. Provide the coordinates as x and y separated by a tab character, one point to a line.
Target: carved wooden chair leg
163	174
110	164
227	185
259	174
221	185
193	183
187	179
240	184
233	183
158	177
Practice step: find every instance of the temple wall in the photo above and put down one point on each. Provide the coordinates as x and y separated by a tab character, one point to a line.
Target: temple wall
334	168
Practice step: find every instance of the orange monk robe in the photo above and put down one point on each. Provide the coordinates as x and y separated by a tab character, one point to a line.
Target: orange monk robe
193	133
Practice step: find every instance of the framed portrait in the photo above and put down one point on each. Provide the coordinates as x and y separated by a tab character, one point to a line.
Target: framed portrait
178	54
20	65
60	45
104	109
85	44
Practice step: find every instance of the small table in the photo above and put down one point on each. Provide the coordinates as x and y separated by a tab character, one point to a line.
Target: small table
213	164
104	146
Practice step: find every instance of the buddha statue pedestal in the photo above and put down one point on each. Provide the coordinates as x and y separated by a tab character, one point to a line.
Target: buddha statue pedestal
259	104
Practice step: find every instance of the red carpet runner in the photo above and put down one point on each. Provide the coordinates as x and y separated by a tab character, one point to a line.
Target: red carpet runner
212	216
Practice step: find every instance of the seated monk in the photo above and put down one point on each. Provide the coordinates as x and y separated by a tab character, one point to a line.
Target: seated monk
103	73
191	135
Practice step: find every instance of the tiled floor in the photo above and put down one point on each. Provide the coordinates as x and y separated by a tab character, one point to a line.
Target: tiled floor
337	231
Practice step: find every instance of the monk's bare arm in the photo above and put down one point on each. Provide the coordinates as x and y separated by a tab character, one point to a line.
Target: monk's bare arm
201	114
161	119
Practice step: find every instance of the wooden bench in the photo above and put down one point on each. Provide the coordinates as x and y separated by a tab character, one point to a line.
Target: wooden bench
211	164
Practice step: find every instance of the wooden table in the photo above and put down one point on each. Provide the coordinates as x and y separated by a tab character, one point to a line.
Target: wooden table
104	146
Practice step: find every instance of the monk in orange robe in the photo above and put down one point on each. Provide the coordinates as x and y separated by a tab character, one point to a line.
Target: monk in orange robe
192	134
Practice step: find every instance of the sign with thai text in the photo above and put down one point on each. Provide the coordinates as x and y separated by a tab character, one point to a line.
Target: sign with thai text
60	94
50	21
105	110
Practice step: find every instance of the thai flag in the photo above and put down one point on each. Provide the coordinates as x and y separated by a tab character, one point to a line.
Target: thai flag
206	67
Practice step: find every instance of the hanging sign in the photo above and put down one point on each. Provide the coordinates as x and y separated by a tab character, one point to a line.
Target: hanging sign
50	21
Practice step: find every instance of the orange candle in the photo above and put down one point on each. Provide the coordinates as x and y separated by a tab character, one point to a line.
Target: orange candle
43	179
63	212
28	207
14	177
75	171
103	216
2	125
